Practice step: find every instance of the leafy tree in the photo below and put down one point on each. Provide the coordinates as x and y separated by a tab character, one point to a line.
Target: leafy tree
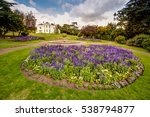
30	22
104	32
9	21
135	17
69	29
89	31
117	32
16	24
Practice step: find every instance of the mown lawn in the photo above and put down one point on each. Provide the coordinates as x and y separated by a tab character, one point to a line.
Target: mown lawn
11	44
49	37
13	85
5	43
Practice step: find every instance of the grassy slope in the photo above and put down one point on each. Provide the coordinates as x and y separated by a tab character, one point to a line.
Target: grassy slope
54	36
13	85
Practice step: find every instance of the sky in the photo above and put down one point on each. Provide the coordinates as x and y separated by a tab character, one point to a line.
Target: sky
84	12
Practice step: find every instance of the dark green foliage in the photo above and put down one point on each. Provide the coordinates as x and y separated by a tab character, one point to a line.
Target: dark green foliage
9	21
130	42
115	33
137	40
135	17
69	29
25	33
146	44
120	39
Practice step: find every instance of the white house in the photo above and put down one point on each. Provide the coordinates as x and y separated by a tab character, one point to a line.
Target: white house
46	28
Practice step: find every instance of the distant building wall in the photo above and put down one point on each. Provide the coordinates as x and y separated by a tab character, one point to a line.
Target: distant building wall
46	28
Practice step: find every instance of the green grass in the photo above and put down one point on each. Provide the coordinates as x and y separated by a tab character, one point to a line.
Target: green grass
14	85
105	42
5	43
11	44
54	36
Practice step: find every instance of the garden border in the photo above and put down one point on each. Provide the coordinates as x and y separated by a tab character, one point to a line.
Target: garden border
87	86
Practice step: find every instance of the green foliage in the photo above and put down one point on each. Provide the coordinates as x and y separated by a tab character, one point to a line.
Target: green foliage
115	33
137	40
25	33
135	17
98	32
69	29
103	32
146	44
120	39
89	31
9	21
130	42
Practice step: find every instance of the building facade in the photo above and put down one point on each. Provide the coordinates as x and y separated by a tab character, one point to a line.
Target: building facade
46	28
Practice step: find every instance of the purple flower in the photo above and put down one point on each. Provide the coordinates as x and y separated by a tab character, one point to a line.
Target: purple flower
57	55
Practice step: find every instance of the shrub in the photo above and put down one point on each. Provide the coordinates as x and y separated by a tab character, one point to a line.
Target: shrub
25	33
116	33
137	40
146	44
120	39
130	42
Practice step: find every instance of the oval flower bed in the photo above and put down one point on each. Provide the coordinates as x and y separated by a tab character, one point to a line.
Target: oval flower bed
83	67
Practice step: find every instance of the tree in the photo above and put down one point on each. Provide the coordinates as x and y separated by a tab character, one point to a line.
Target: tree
9	21
69	29
135	17
104	32
89	31
30	22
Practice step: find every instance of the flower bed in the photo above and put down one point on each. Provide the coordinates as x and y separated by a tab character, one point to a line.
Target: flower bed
28	38
85	67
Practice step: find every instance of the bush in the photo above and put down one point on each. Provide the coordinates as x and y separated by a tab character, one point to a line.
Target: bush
116	33
137	40
130	42
25	33
146	44
120	39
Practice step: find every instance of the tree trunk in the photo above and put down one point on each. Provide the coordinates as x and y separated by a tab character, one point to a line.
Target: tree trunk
13	34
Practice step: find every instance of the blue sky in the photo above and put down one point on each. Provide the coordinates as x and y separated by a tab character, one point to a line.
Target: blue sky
85	12
56	6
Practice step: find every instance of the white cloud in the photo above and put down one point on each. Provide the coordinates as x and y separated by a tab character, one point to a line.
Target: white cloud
67	6
32	3
94	10
12	1
91	12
